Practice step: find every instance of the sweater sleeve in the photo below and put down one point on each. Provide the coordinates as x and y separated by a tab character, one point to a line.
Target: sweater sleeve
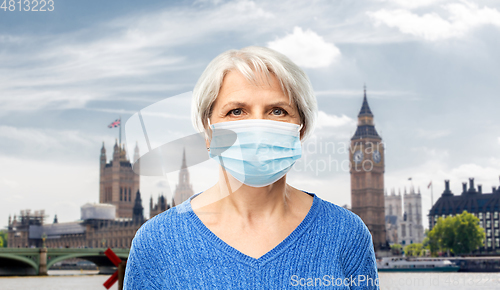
141	271
363	272
134	276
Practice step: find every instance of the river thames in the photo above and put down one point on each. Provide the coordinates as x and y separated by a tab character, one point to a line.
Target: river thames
87	280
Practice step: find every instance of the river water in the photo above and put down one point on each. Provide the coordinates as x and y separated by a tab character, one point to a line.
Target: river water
87	280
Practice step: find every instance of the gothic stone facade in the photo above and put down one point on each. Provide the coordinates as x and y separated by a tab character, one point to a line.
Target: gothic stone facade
404	226
367	175
118	182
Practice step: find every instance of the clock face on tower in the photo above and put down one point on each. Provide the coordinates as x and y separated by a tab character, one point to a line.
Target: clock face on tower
358	156
376	156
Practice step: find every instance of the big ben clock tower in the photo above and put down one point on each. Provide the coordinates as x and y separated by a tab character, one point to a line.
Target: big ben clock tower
367	175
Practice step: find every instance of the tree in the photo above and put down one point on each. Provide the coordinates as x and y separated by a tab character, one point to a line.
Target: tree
3	239
396	249
469	235
431	241
460	234
414	250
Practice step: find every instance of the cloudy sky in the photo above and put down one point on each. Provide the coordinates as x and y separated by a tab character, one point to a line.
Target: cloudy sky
431	68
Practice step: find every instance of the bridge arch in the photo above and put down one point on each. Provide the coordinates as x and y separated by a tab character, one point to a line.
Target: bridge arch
51	262
20	258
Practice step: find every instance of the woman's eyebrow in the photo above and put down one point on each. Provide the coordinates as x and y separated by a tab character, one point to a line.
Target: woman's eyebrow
234	104
279	104
243	104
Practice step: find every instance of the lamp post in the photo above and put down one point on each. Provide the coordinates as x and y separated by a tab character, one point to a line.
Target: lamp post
44	236
42	269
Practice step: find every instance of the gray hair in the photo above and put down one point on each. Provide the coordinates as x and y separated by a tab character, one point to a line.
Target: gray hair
293	80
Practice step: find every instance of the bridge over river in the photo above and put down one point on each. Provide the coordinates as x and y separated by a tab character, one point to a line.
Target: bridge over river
36	261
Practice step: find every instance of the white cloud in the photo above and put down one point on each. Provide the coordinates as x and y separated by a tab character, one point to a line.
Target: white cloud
48	138
371	94
325	120
306	48
333	127
8	183
413	3
30	184
462	18
113	58
498	140
478	172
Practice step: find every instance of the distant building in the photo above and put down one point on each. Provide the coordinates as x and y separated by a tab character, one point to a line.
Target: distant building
160	206
393	216
367	160
412	230
18	227
111	223
404	225
97	228
184	189
118	182
485	206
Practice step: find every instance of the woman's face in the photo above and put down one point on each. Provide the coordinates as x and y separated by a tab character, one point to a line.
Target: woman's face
239	99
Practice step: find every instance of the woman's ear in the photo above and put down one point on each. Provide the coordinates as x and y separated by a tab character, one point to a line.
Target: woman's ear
302	130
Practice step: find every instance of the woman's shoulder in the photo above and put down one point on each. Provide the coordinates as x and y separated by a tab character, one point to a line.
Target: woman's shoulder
342	217
354	238
168	224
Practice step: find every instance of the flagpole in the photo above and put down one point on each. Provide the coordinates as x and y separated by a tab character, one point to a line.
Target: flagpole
432	199
120	133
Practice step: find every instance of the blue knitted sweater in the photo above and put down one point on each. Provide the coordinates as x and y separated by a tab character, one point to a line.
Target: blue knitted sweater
331	248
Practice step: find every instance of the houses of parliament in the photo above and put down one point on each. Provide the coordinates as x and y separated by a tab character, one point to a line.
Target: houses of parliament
112	222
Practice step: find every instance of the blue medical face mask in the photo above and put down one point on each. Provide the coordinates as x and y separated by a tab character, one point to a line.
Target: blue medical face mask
256	152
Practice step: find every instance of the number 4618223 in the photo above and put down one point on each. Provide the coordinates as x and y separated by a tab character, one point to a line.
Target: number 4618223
27	5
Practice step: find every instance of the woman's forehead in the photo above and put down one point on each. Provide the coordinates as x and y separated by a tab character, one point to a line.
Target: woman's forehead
255	79
237	88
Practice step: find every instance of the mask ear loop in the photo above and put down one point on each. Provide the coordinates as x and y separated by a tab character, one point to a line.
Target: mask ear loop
221	163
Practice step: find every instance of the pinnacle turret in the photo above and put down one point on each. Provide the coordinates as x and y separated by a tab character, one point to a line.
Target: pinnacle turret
366	128
365	108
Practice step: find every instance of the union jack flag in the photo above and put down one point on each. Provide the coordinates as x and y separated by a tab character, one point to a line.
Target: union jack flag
115	124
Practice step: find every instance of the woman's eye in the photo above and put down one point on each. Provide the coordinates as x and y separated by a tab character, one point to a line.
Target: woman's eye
235	112
278	112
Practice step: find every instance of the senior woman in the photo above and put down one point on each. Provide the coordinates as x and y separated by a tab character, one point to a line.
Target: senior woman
252	230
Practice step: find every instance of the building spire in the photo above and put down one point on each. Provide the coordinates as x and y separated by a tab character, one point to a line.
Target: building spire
138	210
136	152
183	158
366	127
365	108
103	154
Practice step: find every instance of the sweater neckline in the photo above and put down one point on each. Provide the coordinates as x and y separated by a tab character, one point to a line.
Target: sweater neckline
268	256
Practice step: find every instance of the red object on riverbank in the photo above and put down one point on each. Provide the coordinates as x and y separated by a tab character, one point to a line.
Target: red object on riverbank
116	261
